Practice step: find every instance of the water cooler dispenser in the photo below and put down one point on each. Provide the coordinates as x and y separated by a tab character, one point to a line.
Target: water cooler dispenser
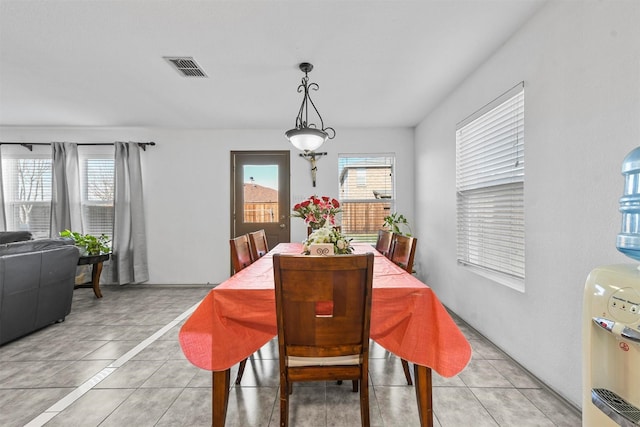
611	322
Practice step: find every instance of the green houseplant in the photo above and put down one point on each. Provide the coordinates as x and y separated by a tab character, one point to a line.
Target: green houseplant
395	221
90	244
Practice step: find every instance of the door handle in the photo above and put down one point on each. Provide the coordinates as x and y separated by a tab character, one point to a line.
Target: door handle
283	226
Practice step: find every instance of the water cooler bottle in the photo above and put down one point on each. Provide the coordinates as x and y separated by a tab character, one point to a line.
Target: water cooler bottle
611	322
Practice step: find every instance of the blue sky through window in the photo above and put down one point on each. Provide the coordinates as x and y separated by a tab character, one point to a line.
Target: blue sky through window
264	175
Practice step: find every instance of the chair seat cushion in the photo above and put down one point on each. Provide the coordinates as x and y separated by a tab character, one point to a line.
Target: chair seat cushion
353	359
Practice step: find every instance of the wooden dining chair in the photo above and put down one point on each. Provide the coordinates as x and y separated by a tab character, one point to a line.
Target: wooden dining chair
323	308
240	252
241	258
383	244
259	245
403	250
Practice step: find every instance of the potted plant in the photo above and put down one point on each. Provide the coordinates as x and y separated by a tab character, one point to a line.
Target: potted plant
394	221
89	244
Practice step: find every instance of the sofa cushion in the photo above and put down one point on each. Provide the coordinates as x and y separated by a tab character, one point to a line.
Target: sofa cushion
33	245
15	236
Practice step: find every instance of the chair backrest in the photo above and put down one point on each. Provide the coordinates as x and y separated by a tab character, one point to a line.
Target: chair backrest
383	244
240	252
323	305
403	250
259	245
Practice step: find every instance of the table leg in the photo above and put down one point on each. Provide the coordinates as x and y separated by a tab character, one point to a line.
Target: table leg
423	395
95	279
220	397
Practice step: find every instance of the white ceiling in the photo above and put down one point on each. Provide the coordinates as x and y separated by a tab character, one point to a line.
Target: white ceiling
378	63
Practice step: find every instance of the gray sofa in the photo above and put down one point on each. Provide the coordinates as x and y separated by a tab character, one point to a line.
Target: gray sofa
36	284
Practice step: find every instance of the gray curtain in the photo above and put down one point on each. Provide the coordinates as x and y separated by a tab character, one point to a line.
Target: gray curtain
66	203
3	219
129	263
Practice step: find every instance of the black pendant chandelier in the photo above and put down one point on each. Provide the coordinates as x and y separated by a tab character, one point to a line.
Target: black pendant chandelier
307	136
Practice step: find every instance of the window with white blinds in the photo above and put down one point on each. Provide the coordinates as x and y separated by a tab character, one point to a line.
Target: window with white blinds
490	187
27	185
366	193
97	181
27	194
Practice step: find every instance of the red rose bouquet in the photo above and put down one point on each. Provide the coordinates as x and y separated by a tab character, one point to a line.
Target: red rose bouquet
317	211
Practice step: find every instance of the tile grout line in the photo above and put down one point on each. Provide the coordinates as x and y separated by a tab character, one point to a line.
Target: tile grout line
82	389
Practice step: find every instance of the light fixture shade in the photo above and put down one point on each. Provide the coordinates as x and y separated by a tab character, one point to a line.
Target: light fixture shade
308	135
306	139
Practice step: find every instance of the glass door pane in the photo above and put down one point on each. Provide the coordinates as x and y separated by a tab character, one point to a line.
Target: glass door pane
260	188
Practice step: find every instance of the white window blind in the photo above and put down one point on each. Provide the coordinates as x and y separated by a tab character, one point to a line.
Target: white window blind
97	181
366	193
27	194
490	186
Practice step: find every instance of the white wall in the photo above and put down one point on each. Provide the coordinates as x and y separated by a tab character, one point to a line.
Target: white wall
580	62
187	189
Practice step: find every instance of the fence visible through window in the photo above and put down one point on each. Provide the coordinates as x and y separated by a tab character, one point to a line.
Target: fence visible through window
261	212
366	193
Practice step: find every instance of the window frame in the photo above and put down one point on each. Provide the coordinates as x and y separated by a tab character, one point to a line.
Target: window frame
86	154
14	153
490	178
385	160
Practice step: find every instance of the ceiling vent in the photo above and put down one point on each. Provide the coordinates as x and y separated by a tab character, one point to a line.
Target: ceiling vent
186	66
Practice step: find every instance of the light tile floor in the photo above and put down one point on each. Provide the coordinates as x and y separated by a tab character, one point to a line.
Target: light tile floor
116	361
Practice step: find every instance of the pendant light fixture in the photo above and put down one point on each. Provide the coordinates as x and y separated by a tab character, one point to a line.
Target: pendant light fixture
308	136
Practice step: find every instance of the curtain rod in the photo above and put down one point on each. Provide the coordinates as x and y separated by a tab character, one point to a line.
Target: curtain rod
29	145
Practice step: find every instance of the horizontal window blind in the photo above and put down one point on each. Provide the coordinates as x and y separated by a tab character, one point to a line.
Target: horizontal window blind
27	194
98	194
366	193
490	186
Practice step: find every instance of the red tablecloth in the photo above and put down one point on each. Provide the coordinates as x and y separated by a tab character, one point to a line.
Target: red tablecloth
239	316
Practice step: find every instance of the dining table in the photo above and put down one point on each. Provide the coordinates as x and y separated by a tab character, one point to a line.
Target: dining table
238	317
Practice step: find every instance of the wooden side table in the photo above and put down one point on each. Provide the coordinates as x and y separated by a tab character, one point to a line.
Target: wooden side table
96	262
